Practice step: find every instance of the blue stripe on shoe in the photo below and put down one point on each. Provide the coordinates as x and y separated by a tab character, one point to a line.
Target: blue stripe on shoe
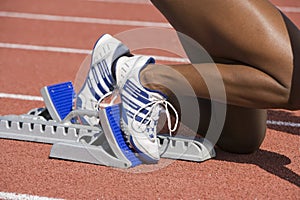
133	105
95	75
102	67
133	90
131	114
113	116
92	89
97	80
107	72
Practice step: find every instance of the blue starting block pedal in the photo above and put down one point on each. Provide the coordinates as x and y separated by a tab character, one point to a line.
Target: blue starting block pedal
110	123
107	147
58	99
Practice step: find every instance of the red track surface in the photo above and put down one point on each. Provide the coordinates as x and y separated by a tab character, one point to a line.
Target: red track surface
271	173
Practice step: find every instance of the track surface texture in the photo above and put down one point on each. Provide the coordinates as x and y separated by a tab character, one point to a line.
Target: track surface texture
25	167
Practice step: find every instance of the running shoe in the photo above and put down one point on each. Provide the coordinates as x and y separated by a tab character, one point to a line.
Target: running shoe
141	107
99	80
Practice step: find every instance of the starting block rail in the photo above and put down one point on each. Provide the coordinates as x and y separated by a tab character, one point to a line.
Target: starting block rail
36	129
89	144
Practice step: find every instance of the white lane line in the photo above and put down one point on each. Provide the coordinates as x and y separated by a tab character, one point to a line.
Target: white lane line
289	9
78	51
281	123
124	1
21	97
295	9
83	19
43	48
38	98
15	196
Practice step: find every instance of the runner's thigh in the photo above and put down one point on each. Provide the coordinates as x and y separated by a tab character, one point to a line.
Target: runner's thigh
251	32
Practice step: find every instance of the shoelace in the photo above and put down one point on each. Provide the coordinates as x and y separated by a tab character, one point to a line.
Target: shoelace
153	105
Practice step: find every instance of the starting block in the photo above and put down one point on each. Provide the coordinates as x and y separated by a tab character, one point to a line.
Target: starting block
103	144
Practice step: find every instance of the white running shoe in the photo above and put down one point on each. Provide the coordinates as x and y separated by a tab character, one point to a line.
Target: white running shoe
141	107
99	80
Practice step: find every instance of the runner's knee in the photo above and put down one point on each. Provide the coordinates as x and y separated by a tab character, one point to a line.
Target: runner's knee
244	130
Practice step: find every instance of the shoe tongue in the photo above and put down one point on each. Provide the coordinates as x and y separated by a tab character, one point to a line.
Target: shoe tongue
118	65
131	60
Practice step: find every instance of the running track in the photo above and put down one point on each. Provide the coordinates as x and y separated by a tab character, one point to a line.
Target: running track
44	42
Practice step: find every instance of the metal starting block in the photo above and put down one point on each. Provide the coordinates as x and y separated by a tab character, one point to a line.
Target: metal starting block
103	144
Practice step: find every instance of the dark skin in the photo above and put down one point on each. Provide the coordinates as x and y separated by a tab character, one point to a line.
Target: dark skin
256	50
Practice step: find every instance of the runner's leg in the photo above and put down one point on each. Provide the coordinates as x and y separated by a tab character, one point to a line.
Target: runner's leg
254	47
250	35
